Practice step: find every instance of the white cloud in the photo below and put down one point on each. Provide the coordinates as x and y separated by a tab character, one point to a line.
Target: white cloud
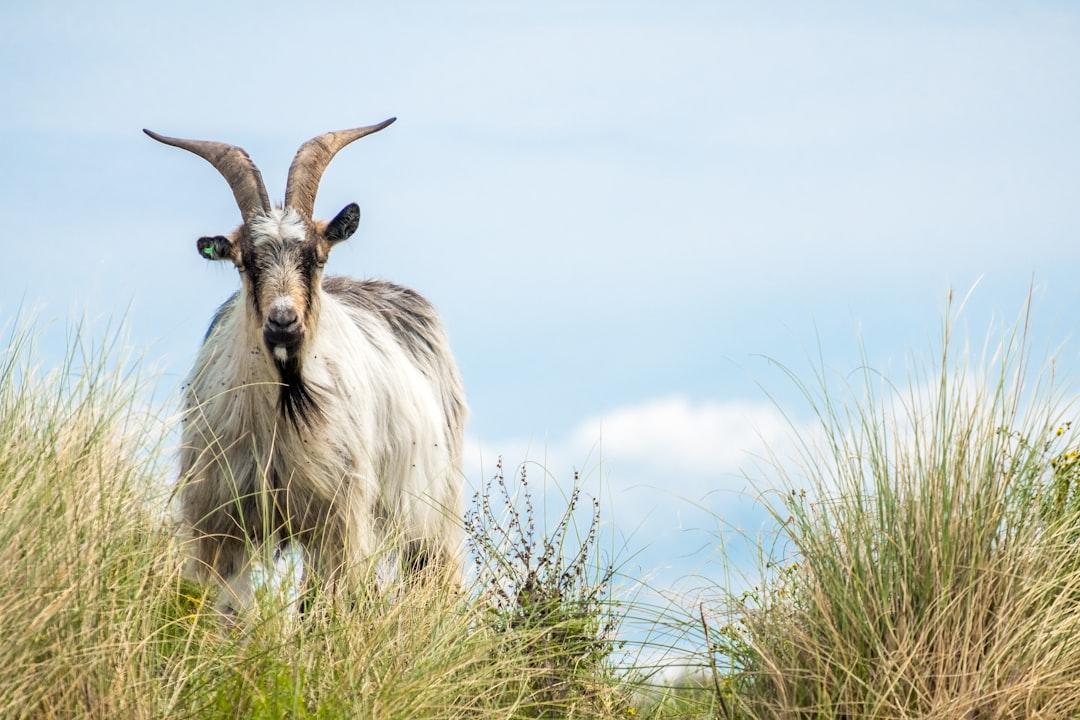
707	445
676	478
674	434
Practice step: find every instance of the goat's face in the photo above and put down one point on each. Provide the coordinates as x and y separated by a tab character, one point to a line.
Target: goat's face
280	253
280	257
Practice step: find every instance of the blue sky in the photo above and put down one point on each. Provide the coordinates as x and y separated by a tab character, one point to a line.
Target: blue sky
621	209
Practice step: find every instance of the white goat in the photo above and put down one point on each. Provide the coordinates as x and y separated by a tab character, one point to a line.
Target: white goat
327	411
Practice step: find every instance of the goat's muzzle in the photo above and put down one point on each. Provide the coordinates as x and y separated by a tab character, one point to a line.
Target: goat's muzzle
283	332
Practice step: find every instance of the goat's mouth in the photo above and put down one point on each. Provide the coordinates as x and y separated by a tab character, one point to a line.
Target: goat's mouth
284	346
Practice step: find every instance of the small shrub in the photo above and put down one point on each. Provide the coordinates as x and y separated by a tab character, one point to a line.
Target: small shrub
547	592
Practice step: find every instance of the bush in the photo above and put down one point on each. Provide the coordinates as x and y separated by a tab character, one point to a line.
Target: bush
547	596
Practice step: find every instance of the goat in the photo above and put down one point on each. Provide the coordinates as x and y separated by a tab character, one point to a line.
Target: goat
326	411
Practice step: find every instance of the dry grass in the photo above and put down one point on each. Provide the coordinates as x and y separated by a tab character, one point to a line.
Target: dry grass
922	574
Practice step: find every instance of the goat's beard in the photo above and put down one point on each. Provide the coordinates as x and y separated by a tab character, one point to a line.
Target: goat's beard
299	401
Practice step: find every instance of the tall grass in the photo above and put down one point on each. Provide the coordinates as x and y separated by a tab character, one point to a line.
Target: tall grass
927	563
81	554
96	622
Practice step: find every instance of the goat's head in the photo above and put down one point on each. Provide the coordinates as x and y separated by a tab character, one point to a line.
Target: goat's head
279	252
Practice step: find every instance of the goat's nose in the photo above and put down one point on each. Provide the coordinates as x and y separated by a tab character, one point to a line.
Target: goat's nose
282	318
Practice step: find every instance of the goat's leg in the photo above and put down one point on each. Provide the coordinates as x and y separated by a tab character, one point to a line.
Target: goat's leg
432	559
434	538
227	562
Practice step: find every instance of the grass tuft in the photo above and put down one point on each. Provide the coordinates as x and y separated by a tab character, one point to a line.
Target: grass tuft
924	568
81	551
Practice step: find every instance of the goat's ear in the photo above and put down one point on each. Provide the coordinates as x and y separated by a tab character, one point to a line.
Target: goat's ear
218	247
344	225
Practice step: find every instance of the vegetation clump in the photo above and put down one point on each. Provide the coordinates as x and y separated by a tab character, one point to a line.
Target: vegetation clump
546	601
926	562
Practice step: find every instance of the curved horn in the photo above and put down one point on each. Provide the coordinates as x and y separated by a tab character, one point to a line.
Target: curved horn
235	165
311	160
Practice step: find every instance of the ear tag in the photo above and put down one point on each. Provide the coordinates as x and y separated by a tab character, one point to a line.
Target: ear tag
208	251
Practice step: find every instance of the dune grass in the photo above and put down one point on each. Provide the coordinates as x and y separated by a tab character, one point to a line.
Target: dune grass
81	558
924	565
